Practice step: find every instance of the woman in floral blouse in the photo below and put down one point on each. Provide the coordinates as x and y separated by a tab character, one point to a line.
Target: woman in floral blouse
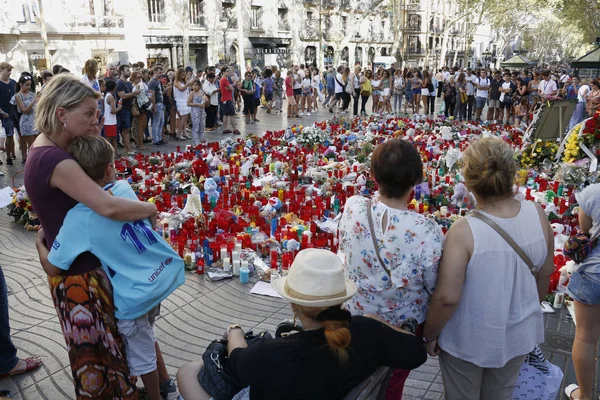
409	243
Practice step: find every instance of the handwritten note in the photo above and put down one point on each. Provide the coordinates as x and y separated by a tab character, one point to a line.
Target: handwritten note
6	196
264	289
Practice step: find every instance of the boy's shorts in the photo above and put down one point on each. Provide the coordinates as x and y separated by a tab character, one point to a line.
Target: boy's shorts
110	131
138	335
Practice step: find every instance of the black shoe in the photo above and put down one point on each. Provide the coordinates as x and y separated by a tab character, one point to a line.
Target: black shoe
157	144
120	145
9	161
162	142
23	161
1	163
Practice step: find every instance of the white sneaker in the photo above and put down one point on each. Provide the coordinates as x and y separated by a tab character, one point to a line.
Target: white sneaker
308	114
301	113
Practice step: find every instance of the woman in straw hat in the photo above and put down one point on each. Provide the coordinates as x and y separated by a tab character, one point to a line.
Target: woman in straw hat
331	354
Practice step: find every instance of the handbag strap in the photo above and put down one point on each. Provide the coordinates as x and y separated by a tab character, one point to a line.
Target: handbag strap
375	244
506	237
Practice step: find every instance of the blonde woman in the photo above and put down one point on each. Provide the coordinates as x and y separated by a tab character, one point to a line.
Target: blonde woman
82	295
478	268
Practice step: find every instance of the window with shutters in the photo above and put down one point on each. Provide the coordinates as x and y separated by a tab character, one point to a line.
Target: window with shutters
256	18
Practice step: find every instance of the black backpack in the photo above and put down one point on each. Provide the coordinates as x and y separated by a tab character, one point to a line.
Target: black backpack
14	112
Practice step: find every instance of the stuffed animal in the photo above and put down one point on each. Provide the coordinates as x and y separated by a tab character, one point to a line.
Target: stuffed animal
210	188
460	192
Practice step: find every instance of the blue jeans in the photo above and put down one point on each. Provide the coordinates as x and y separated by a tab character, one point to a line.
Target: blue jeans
8	352
158	119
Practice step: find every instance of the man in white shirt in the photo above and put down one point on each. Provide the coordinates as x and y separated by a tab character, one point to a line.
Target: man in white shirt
547	88
445	74
483	87
471	82
301	74
440	78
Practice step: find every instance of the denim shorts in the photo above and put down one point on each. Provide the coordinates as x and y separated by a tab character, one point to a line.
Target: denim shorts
8	125
585	287
480	102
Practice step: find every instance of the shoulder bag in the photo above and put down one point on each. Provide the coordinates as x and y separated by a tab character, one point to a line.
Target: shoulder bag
507	238
375	244
214	377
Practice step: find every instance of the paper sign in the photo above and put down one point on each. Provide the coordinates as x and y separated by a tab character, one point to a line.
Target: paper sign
264	289
6	196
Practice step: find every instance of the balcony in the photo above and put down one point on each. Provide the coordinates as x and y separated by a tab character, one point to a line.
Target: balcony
455	31
411	28
346	5
416	52
283	25
414	7
309	32
311	3
329	4
95	21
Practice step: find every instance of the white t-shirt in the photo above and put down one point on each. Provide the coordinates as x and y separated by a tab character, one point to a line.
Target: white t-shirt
356	80
547	87
297	83
316	80
338	80
211	90
446	76
564	78
505	85
471	80
375	84
301	73
483	82
582	93
306	84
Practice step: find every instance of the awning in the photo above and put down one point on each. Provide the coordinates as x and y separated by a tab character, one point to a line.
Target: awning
269	42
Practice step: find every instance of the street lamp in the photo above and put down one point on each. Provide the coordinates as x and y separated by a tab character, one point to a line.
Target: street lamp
224	27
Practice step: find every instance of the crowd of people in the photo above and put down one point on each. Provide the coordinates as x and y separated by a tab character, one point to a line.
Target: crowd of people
153	106
399	289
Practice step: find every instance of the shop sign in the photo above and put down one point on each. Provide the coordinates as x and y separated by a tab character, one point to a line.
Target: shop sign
37	57
271	50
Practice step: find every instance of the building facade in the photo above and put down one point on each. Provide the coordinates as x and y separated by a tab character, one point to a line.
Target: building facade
201	32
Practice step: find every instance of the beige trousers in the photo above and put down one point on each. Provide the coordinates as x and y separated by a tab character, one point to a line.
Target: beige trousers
466	381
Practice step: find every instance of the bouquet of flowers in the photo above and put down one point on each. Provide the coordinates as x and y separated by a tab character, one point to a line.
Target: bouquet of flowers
311	136
534	154
586	133
22	211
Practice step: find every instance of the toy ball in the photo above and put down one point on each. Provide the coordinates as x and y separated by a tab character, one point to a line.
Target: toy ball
275	203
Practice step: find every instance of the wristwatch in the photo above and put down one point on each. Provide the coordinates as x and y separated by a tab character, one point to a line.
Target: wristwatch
234	326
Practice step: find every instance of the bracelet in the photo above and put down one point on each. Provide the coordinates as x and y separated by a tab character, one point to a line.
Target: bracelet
425	340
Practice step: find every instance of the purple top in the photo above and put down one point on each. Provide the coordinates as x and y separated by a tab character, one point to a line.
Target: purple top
50	204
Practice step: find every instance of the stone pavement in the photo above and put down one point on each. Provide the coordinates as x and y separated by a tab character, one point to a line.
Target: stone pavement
194	315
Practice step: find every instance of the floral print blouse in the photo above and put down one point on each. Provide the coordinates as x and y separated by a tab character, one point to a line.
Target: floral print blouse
411	248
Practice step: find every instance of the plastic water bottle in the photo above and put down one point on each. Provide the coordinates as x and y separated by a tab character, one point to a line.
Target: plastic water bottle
244	275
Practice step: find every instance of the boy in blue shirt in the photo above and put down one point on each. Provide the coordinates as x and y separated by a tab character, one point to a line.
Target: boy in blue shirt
141	266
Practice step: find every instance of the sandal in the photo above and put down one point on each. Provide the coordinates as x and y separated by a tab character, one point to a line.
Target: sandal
570	389
31	364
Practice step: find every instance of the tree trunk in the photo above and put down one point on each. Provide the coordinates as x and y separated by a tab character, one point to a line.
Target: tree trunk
186	32
444	48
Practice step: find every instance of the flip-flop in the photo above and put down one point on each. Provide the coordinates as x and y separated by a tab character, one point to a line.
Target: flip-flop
31	364
570	389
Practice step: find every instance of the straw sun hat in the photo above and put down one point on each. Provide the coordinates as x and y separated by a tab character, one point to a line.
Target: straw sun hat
316	279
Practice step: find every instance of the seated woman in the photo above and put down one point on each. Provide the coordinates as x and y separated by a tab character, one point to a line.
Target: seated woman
331	355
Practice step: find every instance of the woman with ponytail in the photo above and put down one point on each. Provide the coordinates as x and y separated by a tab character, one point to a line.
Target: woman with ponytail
485	314
331	353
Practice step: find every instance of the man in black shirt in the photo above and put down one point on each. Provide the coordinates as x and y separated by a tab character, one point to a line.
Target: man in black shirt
494	105
126	96
7	91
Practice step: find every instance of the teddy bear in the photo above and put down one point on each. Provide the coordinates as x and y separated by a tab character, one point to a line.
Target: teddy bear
210	188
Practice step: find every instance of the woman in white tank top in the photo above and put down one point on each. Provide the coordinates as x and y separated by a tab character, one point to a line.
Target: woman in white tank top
485	314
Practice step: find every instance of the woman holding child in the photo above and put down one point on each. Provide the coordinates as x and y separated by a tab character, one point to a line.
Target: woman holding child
82	295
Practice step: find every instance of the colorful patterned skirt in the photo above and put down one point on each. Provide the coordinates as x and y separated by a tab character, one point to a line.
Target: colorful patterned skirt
85	309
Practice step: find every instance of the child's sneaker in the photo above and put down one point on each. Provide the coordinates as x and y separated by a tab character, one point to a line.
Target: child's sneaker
168	390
